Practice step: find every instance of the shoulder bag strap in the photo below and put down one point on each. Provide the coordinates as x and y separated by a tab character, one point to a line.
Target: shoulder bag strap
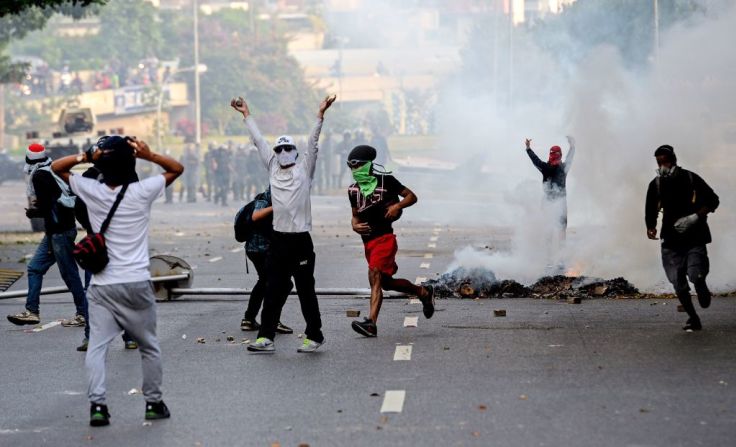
114	208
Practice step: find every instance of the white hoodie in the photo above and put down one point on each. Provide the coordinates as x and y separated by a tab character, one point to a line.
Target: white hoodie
290	187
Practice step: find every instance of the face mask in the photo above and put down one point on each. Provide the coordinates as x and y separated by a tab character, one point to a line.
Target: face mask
287	158
367	182
666	172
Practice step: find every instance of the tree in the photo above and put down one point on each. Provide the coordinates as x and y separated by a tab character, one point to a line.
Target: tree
238	63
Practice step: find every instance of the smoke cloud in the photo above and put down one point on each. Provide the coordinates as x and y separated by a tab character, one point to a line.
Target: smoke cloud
618	114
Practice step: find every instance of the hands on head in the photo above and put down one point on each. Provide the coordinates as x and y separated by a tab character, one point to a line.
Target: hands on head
140	148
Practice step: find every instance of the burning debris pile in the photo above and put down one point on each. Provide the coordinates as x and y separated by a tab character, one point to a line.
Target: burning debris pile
479	283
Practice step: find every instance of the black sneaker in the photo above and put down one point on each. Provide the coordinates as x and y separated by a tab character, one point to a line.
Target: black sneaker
281	328
83	346
98	415
366	327
704	295
157	410
428	302
249	325
692	325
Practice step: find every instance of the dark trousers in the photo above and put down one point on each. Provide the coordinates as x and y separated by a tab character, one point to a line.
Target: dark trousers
681	264
259	291
291	255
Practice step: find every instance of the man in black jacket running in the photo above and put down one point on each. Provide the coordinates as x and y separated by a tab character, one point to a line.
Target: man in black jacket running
685	200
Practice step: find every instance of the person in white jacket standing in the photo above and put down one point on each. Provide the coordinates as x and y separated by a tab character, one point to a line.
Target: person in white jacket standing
292	252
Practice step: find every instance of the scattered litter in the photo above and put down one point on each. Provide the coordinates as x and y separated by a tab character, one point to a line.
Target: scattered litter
147	424
288	428
304	444
352	313
524	397
644	410
721	382
446	348
184	336
217	340
476	434
680	308
230	338
575	300
499	313
482	407
555	346
411	321
415	301
375	395
200	340
300	336
245	341
134	391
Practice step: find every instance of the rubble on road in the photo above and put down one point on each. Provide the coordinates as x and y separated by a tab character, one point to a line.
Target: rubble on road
480	283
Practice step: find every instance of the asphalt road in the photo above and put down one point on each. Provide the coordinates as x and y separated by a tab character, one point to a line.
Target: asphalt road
601	373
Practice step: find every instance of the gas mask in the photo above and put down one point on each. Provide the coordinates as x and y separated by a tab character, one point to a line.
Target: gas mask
666	172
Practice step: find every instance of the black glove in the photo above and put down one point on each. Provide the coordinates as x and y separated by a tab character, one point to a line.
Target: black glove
33	213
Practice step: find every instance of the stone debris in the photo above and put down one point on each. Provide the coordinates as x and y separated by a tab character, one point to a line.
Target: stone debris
499	313
230	338
201	340
352	313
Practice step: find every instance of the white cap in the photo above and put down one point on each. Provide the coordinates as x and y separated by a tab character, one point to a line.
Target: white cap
284	140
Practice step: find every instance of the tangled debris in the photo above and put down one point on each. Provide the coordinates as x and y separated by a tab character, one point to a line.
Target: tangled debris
479	283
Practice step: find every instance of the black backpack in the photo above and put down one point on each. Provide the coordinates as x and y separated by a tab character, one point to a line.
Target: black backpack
244	226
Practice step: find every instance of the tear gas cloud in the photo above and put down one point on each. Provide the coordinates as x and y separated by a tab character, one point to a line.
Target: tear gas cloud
618	114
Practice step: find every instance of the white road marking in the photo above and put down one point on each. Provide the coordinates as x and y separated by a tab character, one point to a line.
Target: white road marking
393	401
433	239
411	321
46	326
414	301
179	233
216	258
237	250
432	245
424	265
428	256
403	352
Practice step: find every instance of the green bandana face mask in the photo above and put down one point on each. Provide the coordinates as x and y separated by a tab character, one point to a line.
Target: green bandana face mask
367	182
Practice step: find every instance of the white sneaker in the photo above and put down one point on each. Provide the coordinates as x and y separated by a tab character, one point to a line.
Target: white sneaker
310	346
262	345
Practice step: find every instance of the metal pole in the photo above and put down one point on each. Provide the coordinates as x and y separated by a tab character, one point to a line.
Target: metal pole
63	289
242	291
511	55
158	111
656	30
197	107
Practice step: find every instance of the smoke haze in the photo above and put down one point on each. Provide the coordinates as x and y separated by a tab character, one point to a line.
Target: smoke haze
618	114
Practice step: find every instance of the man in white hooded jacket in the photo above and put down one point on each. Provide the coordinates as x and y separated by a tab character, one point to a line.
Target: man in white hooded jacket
292	251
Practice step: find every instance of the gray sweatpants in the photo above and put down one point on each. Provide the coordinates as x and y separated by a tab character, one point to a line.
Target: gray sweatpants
112	309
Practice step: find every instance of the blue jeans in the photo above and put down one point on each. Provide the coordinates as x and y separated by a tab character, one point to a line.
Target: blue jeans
55	249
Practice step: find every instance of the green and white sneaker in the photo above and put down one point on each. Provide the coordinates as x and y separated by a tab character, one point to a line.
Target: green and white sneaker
262	345
309	346
99	416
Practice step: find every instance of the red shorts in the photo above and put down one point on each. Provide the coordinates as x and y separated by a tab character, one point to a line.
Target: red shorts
381	254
